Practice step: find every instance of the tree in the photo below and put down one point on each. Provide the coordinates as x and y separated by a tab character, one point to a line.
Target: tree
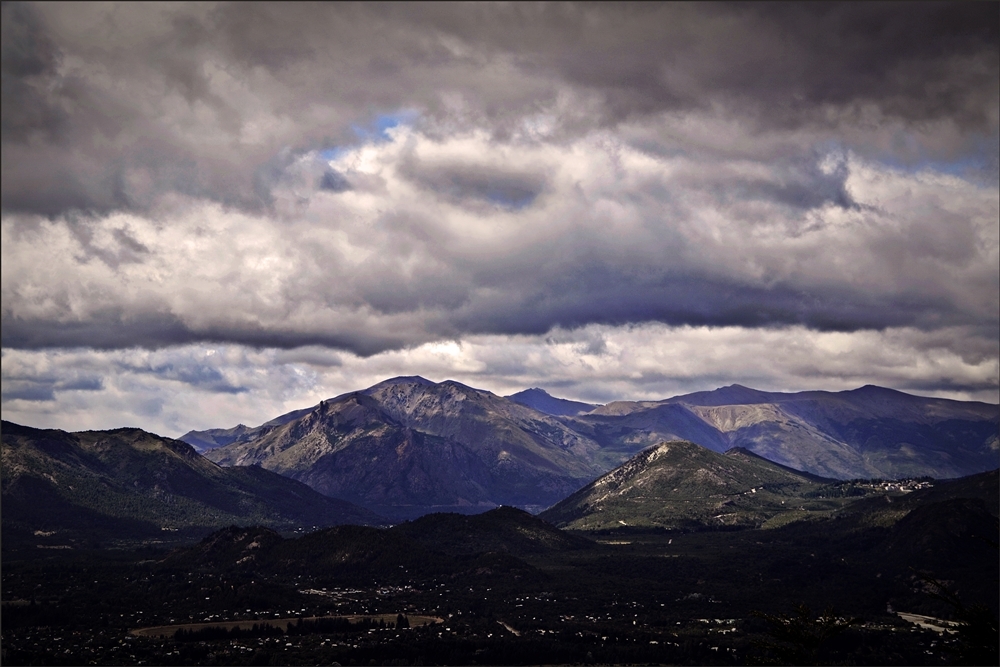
977	628
798	638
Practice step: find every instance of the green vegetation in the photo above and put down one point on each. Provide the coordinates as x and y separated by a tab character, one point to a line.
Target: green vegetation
694	558
682	486
511	589
800	638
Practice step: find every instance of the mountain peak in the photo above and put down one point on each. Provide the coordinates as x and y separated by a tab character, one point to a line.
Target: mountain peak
405	379
127	481
873	389
539	399
408	446
680	485
734	394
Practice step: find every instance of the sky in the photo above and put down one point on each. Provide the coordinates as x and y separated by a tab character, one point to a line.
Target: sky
216	213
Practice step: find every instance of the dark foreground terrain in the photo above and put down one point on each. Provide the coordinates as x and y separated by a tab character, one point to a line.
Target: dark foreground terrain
511	589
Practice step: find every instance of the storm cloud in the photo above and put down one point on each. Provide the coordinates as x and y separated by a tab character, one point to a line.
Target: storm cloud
353	182
609	235
108	106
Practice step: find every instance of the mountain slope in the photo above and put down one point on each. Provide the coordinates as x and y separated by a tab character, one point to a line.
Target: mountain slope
127	482
683	485
541	400
360	554
407	447
866	432
504	529
203	441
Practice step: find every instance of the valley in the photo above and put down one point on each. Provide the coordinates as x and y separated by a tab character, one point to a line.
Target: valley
511	589
321	538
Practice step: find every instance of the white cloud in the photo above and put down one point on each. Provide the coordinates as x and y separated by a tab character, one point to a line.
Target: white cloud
172	390
417	250
618	204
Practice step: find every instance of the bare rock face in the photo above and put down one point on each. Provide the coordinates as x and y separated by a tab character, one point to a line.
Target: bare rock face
866	432
407	447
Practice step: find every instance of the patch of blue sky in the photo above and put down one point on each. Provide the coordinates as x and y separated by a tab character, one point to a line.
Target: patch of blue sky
375	131
378	129
333	154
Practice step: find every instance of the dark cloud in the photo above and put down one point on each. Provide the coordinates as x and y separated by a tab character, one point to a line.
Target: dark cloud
44	388
334	181
579	295
945	384
920	61
29	60
407	308
477	184
106	107
123	249
200	375
802	186
169	172
106	330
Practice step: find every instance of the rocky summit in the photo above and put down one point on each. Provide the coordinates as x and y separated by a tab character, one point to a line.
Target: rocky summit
681	485
866	432
407	446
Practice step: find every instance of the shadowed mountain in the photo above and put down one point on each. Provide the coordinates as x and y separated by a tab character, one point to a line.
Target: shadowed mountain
541	400
128	483
486	545
505	529
932	534
343	550
950	528
407	447
203	441
886	509
627	428
866	432
681	485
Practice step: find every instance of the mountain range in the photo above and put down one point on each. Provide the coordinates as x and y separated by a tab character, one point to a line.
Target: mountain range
406	447
905	528
128	484
862	433
506	587
409	446
629	558
433	544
